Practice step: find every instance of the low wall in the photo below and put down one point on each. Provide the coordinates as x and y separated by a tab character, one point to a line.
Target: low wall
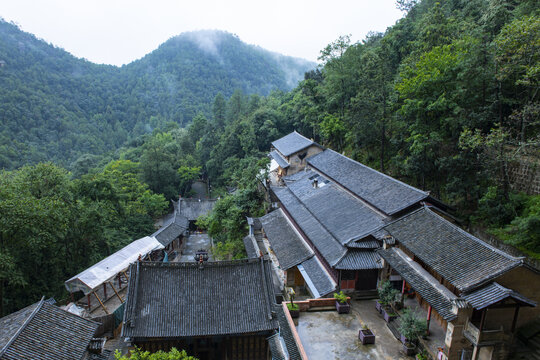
304	305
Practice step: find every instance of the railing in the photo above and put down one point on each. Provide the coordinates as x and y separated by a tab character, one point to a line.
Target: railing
476	336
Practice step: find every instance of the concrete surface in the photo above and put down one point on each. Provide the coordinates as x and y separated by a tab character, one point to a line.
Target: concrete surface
329	335
193	243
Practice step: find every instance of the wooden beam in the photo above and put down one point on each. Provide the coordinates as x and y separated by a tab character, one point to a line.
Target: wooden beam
101	303
116	292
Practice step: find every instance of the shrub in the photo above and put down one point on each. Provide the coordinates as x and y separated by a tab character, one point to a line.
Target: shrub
341	297
387	294
411	326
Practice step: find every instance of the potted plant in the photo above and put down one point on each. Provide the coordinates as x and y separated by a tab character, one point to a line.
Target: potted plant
366	336
387	295
411	328
422	355
342	306
294	309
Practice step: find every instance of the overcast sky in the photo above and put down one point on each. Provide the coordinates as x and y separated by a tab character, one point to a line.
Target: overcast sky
120	31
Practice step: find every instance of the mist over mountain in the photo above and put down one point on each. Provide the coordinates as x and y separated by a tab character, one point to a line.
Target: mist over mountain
54	106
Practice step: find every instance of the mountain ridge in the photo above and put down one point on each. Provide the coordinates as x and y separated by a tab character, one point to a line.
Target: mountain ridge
55	106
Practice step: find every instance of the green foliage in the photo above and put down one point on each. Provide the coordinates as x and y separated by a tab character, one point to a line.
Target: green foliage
52	227
387	294
411	326
55	107
340	297
292	306
138	354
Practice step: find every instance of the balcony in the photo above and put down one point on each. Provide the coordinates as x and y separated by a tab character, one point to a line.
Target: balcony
484	337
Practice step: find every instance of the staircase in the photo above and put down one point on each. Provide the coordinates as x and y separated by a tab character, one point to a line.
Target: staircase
364	295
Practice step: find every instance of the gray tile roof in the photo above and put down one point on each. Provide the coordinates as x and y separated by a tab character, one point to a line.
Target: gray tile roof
252	250
174	226
494	293
439	297
289	248
279	159
292	143
177	300
460	258
360	260
318	276
193	208
364	244
11	323
278	350
382	191
287	335
342	214
46	333
329	247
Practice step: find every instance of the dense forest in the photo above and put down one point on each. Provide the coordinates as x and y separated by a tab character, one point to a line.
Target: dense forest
444	100
55	107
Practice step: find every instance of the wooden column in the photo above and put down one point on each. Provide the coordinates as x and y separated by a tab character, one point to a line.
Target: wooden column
428	320
88	300
104	291
514	321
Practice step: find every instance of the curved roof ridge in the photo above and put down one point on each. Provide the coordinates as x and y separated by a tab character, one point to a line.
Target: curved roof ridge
23	326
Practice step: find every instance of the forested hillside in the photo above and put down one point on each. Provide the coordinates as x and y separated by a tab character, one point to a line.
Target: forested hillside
55	107
444	100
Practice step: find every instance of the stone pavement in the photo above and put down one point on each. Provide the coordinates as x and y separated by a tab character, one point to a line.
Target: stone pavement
193	243
329	335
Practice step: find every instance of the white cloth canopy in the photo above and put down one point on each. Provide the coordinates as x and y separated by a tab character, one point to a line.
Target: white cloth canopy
109	267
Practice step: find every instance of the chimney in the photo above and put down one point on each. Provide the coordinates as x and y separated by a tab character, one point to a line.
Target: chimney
315	183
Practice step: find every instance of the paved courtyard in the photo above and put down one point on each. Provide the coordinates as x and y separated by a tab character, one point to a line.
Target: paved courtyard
329	335
193	243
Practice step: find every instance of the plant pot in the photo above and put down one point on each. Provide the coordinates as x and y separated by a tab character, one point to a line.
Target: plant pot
409	349
294	313
403	339
366	337
378	306
388	314
343	308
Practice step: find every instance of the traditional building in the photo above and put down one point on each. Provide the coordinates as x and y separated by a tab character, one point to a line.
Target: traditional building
192	209
218	310
44	332
333	212
478	293
289	154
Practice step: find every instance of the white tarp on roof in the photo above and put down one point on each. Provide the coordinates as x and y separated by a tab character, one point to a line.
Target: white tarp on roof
109	267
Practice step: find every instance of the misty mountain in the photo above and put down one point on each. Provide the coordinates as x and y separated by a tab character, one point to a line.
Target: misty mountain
54	106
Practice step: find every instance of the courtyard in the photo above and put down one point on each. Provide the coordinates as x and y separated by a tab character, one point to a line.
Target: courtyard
329	335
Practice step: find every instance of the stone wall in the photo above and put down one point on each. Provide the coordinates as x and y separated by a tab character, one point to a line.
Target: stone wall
524	176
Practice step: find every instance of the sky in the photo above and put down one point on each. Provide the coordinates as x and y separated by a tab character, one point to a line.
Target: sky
120	31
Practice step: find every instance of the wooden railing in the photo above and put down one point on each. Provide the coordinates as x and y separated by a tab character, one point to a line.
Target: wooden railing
476	336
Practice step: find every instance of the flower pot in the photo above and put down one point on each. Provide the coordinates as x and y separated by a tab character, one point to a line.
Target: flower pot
294	313
388	314
403	339
378	306
343	308
409	349
366	337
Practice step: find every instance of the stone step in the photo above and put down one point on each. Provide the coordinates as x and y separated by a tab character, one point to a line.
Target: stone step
322	308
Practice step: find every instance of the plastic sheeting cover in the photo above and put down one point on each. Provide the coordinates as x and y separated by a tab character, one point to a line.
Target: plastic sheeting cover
107	268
